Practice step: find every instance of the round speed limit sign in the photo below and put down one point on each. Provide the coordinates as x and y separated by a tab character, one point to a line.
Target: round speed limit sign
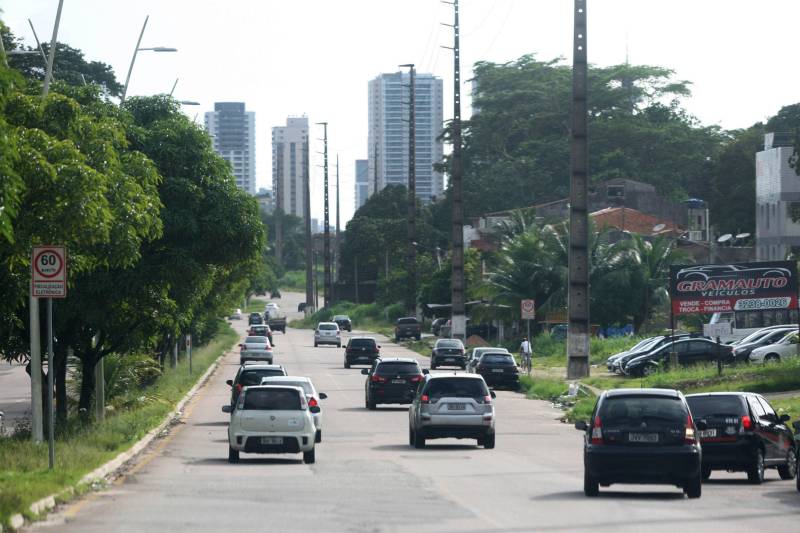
48	263
49	272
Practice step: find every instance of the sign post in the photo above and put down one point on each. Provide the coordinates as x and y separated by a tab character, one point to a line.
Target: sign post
527	310
189	350
49	280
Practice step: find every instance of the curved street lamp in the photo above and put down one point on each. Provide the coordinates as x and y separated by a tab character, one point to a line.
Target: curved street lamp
133	59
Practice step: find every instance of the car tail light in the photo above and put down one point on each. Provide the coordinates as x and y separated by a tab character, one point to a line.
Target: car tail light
378	379
313	402
747	423
597	431
416	379
487	399
689	437
425	399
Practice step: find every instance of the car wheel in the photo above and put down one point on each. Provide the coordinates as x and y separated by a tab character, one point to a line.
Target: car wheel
706	473
396	339
339	345
433	365
694	488
789	470
410	436
488	441
233	455
772	358
371	405
309	457
419	440
591	487
315	345
755	473
346	364
648	370
418	337
318	436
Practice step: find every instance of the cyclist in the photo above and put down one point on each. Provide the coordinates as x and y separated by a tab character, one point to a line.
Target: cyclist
525	354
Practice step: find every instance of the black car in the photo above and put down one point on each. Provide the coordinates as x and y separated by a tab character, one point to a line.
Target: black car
261	330
743	434
249	375
361	351
689	351
651	347
498	368
255	318
448	352
741	350
641	436
392	380
344	322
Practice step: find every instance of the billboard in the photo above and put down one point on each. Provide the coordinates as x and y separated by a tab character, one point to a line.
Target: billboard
734	287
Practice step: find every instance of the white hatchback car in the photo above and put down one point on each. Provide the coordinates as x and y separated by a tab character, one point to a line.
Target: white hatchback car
327	333
784	348
271	419
312	396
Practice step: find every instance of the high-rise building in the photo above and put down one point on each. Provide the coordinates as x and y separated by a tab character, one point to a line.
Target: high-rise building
388	132
289	146
777	190
362	182
233	133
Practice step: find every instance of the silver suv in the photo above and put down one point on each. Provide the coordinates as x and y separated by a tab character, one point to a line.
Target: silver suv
452	406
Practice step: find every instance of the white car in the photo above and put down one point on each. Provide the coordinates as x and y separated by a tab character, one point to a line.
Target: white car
327	333
784	348
271	419
312	396
236	315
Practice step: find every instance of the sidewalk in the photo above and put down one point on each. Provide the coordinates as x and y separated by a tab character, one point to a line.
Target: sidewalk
15	395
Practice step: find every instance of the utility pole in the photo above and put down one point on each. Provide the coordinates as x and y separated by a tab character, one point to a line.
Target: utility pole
327	225
310	301
578	296
336	256
411	254
459	318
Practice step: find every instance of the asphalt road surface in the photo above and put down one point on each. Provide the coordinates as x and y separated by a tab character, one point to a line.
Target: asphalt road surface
367	478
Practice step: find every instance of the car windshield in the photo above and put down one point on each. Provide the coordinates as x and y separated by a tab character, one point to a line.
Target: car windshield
702	406
753	337
497	359
791	338
305	385
456	387
448	344
626	408
272	399
340	317
650	345
391	368
253	377
256	340
362	343
327	327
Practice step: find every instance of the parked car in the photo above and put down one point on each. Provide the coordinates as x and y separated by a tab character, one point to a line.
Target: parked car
742	350
271	419
452	406
261	330
327	333
772	353
641	436
437	324
559	332
361	351
255	318
391	380
312	396
448	352
474	355
636	347
498	368
255	348
743	434
407	327
655	344
249	375
689	351
236	315
344	322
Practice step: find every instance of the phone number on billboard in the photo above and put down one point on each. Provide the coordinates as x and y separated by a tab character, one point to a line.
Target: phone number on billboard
755	304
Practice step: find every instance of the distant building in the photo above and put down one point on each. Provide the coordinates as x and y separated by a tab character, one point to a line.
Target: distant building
388	132
289	165
362	182
777	193
233	134
265	202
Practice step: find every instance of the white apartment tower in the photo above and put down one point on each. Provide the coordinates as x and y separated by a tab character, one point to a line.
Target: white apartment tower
233	133
388	132
289	165
777	190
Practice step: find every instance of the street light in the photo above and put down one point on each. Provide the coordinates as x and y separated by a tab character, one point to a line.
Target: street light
188	102
135	51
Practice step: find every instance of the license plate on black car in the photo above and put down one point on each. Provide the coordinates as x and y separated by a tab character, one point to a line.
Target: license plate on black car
707	433
398	381
497	370
643	437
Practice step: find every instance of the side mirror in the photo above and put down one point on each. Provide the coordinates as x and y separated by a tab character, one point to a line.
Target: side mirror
581	425
365	371
425	371
701	425
314	409
229	383
323	396
784	418
379	346
227	408
492	394
241	345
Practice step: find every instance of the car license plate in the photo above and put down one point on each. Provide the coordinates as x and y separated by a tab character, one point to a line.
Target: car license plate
456	407
271	440
449	359
643	437
707	433
398	381
497	370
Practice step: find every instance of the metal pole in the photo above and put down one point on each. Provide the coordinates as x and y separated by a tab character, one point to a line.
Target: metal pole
411	257
173	86
578	296
310	300
189	350
38	43
174	355
100	390
133	60
326	217
52	55
37	420
51	415
336	247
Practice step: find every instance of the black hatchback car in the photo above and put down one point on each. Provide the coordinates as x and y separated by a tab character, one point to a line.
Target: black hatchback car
448	352
361	351
498	369
344	322
743	434
392	380
690	351
641	436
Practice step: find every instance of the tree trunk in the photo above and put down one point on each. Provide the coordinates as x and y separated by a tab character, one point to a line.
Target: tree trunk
88	362
60	378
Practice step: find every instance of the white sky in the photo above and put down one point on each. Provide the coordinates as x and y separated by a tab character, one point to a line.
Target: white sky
315	57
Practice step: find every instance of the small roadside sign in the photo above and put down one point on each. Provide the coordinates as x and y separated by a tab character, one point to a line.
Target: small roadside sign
188	340
49	272
527	309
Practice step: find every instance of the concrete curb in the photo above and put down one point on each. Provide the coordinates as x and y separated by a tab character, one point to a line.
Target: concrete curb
109	470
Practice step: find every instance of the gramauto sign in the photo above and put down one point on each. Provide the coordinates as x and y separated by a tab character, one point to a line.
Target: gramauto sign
734	287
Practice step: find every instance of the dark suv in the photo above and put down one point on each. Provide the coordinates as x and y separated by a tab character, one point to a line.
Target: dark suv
250	375
498	368
743	433
392	380
641	436
407	327
344	322
448	352
361	351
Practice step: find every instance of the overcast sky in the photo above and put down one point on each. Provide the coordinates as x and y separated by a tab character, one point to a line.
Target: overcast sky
315	57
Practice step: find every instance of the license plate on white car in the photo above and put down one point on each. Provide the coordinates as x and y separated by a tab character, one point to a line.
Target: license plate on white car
456	407
707	433
271	440
643	437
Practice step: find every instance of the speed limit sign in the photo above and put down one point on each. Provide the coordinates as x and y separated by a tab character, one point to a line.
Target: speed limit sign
527	309
49	272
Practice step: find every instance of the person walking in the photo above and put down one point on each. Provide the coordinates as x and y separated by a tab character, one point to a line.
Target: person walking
525	354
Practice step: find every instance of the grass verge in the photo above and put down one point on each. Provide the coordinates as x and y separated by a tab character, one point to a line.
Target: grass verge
80	448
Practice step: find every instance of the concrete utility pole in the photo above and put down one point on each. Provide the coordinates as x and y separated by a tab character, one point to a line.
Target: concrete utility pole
459	318
327	225
336	256
307	215
578	298
411	253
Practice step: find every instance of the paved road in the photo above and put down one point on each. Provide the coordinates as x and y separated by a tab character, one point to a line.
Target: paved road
15	395
367	479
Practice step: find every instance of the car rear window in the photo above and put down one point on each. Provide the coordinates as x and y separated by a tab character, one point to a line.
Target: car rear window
449	344
497	359
305	385
361	343
272	400
253	377
387	369
256	340
328	326
407	321
456	387
716	405
340	317
625	408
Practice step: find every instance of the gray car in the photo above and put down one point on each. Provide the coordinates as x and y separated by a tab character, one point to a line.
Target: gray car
327	333
452	406
255	348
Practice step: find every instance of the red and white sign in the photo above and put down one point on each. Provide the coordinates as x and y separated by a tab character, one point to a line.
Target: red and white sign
49	272
527	309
